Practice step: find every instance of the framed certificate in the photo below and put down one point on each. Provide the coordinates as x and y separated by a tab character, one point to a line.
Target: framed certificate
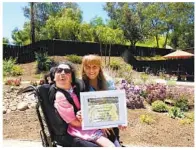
103	109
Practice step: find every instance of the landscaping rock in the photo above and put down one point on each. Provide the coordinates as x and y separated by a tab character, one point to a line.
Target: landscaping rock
8	111
4	110
22	106
13	108
14	102
169	101
30	98
32	105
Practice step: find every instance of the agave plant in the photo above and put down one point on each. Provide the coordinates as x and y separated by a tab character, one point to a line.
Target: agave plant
43	61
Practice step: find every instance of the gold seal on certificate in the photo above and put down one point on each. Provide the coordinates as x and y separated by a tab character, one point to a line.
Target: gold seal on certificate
103	109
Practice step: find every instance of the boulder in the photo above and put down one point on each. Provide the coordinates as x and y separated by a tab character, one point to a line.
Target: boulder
22	106
32	105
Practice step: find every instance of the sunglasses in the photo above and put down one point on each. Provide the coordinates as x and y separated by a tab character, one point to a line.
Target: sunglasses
59	70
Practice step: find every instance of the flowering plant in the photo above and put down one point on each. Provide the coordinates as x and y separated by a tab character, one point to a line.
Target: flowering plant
133	94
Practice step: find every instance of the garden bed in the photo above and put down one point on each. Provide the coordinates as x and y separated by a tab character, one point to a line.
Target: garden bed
164	131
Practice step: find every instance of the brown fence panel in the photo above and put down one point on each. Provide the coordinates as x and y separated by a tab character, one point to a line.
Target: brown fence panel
62	47
26	54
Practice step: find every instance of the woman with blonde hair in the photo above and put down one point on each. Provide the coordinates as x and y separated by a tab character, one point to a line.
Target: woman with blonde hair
95	80
93	75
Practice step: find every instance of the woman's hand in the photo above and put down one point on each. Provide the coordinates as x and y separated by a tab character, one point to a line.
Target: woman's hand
107	131
79	115
122	127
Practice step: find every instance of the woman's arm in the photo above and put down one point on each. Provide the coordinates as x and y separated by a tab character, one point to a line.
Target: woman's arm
76	123
66	110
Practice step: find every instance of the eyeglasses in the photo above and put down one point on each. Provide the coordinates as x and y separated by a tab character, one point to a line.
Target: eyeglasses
59	70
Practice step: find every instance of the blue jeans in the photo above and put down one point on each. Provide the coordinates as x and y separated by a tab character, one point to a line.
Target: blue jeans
78	142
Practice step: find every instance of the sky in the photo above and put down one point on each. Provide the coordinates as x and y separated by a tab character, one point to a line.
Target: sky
13	14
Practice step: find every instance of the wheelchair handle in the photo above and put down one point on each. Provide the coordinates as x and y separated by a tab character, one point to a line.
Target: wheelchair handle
27	89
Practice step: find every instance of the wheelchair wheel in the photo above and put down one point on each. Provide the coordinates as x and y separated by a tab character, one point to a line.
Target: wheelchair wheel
44	142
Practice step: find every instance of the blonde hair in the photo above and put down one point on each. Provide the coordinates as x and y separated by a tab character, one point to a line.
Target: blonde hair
94	60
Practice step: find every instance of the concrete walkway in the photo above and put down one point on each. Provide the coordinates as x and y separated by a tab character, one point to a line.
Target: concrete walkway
176	82
25	143
185	83
21	143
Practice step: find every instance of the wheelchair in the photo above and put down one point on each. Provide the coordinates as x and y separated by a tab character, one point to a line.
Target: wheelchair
52	134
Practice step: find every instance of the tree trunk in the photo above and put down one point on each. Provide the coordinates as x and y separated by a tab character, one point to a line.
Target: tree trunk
100	46
165	43
32	23
157	40
105	53
132	47
109	54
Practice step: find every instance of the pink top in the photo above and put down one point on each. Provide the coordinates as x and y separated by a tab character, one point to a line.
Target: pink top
66	111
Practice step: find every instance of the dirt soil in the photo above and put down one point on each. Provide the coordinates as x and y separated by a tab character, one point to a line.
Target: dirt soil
24	125
165	131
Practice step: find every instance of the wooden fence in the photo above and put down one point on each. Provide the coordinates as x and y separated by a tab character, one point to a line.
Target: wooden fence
26	54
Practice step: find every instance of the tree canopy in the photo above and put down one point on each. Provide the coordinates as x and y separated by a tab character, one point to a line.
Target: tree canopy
128	23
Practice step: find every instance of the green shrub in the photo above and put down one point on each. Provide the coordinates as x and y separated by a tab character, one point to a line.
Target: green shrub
186	121
115	64
43	61
182	103
74	59
8	66
148	119
127	68
16	70
144	94
190	116
175	112
144	77
159	106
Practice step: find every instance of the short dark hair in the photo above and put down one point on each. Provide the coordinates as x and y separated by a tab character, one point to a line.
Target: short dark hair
72	68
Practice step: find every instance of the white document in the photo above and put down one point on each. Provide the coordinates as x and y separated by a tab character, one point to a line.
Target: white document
103	109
